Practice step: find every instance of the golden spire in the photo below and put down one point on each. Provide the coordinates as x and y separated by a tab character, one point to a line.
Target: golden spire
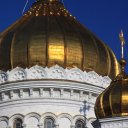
122	40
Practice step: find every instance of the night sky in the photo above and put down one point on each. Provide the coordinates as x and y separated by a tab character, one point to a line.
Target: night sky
105	18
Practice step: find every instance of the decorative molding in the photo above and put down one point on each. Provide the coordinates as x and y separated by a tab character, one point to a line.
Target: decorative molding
78	117
6	119
48	114
3	77
66	115
37	92
17	74
36	72
55	72
41	119
16	116
32	114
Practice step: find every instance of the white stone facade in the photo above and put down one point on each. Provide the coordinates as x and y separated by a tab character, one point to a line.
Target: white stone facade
34	94
117	122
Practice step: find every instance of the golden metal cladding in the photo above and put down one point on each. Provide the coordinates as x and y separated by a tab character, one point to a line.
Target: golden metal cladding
113	102
47	35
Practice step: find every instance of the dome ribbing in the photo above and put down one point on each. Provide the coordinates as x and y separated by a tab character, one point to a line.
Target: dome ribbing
47	35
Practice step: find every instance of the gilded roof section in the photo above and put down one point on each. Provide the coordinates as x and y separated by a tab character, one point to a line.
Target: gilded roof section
48	34
113	102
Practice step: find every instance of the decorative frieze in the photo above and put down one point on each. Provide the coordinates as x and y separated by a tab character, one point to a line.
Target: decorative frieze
45	93
55	72
3	77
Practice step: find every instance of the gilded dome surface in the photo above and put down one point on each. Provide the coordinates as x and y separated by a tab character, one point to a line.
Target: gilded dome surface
47	35
113	101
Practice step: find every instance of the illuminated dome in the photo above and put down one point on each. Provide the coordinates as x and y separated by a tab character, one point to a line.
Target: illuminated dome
48	35
113	101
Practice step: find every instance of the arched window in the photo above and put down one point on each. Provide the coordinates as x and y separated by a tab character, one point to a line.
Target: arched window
17	123
48	123
79	124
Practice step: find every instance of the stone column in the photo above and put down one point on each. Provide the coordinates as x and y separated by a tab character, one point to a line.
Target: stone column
11	94
81	95
31	92
52	92
21	93
41	92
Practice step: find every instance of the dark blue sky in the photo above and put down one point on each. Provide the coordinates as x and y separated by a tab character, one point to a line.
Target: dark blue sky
105	18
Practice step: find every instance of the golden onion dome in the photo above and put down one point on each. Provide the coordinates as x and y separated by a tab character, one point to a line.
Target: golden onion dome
47	35
113	102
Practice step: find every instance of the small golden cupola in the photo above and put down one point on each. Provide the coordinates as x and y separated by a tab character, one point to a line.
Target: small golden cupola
113	102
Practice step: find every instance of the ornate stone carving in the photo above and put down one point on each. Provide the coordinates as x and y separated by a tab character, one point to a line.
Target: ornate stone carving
3	77
56	72
106	81
75	74
17	74
36	72
92	78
